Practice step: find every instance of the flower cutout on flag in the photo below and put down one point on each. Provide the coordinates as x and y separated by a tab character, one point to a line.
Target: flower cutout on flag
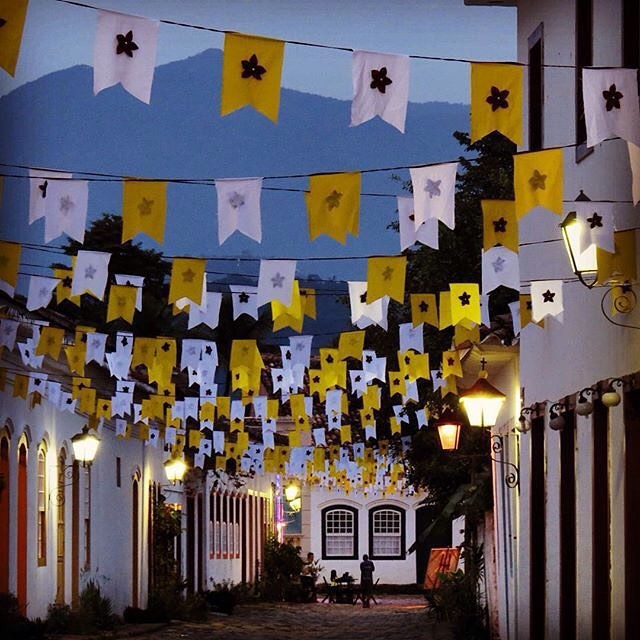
595	220
498	264
548	296
612	98
424	307
188	275
89	272
500	225
498	99
363	297
251	68
433	187
464	299
538	180
243	298
277	281
66	204
387	273
380	80
43	188
333	200
236	200
145	206
126	44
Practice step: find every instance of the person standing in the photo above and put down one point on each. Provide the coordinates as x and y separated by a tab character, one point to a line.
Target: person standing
366	580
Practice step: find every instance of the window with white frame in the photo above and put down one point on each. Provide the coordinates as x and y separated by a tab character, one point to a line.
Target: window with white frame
339	532
42	505
386	532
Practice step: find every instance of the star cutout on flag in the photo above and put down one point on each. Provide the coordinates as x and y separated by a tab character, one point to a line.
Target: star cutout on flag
380	80
43	188
363	298
433	187
333	200
538	180
450	362
439	374
166	347
595	220
498	99
357	379
277	281
126	44
287	355
407	360
243	297
316	379
66	204
251	68
208	350
329	359
500	225
279	377
368	359
423	306
145	206
464	298
66	282
188	275
548	296
89	272
121	301
498	264
396	382
387	273
612	98
124	342
44	292
236	200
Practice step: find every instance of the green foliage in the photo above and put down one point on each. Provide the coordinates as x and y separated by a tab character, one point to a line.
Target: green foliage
15	626
59	618
280	570
94	610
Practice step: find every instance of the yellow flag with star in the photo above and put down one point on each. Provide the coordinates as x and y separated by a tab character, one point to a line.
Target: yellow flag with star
143	351
424	309
333	205
122	303
445	309
63	288
186	279
538	181
144	206
50	342
499	224
451	365
397	383
251	71
464	334
526	314
289	316
385	277
308	298
12	17
350	345
619	266
465	302
9	262
496	100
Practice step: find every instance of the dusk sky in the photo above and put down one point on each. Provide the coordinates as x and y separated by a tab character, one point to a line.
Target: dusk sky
59	35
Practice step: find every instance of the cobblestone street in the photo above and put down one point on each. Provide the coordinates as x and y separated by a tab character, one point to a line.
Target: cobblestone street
394	618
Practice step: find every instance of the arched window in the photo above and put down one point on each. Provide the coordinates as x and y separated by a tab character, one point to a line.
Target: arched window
339	532
387	533
41	503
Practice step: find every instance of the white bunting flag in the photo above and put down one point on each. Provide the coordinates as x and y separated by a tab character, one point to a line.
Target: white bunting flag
245	300
546	299
611	104
190	355
426	233
484	310
96	343
411	337
364	314
239	208
596	225
37	382
500	266
319	437
40	182
125	53
380	88
374	367
514	307
207	313
8	332
437	379
634	161
53	391
434	190
66	209
275	281
40	291
300	350
132	281
218	441
90	273
422	418
358	382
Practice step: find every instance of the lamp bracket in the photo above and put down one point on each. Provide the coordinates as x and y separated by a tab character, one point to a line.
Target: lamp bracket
512	477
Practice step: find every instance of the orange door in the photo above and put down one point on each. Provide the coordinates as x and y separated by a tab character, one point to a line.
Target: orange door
21	559
4	515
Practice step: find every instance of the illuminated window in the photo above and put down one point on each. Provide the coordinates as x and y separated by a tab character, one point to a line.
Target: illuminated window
386	532
339	532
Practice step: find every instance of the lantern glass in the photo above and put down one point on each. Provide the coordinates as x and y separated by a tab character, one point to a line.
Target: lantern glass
291	492
449	433
175	468
85	446
573	231
482	403
295	504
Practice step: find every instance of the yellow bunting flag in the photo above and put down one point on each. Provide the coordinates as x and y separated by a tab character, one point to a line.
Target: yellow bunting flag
445	309
451	365
385	276
308	297
288	316
207	412
526	311
144	206
9	262
537	181
20	386
166	352
75	356
465	302
464	334
103	409
242	442
122	303
350	345
619	266
333	205
397	383
414	365
12	17
345	433
143	352
496	100
50	342
424	309
223	405
245	354
186	279
450	386
251	71
499	224
63	289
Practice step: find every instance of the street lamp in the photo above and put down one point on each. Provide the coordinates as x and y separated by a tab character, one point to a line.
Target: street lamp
292	495
448	430
175	468
482	401
85	446
583	263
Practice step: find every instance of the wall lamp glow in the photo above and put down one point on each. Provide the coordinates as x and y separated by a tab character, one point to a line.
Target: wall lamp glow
611	398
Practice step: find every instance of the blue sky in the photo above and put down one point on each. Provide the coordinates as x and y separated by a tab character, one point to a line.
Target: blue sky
58	36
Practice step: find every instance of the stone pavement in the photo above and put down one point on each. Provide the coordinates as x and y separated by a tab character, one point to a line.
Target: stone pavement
394	618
